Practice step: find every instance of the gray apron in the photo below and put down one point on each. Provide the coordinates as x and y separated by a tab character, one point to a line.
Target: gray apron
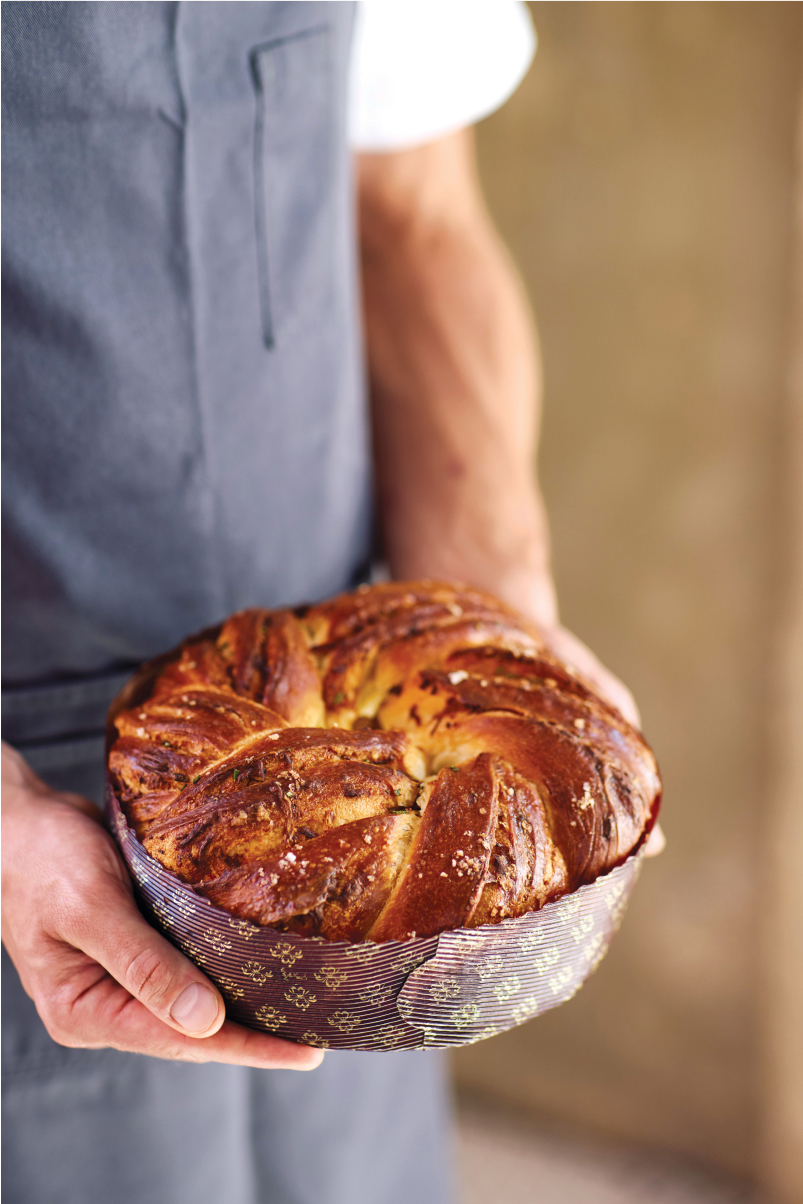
185	433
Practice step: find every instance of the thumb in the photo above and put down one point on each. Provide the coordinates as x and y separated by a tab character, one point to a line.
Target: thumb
115	935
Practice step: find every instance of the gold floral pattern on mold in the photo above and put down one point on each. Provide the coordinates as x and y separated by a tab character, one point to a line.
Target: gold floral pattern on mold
161	911
199	956
301	997
182	905
140	874
561	980
389	1038
407	963
548	959
291	975
315	1040
507	988
447	988
375	994
531	940
360	953
616	901
331	977
594	949
467	1014
257	972
217	941
468	942
490	967
243	929
582	929
404	1008
287	954
271	1017
568	908
526	1009
346	1022
229	988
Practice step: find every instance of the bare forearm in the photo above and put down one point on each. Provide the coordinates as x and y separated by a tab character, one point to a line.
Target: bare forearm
454	380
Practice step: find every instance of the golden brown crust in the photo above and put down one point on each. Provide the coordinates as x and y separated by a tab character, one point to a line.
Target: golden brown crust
442	881
402	759
336	883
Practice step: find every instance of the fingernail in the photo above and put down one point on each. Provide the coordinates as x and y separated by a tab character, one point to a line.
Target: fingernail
195	1009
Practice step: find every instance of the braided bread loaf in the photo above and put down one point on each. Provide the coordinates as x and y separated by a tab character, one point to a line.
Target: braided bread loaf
397	761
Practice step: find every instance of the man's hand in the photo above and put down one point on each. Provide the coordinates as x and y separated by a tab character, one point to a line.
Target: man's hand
101	976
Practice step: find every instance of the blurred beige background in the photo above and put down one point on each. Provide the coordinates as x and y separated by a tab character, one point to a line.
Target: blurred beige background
644	179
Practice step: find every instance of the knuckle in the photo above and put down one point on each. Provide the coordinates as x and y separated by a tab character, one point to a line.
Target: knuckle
66	1037
77	909
147	977
59	1024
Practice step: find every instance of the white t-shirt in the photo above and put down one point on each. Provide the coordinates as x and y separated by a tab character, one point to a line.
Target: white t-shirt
422	69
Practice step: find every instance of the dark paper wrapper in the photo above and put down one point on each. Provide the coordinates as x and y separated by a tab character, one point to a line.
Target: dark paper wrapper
427	993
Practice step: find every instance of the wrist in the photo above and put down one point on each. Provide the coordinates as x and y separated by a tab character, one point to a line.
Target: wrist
507	556
531	592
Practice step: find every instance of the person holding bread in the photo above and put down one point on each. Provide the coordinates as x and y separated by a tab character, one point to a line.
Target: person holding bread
257	323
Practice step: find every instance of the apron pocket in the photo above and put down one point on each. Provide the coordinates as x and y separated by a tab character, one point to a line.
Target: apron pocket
294	187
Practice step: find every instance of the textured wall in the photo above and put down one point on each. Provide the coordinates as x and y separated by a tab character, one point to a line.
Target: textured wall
782	945
643	177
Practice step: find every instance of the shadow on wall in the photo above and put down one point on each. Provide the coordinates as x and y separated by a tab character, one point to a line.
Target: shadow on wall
643	177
